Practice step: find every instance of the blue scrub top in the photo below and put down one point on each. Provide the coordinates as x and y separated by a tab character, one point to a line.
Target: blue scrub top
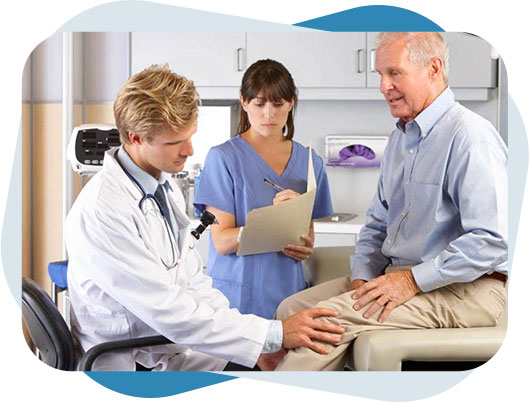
232	181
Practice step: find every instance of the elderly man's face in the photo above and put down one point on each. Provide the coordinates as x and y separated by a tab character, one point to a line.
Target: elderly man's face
406	86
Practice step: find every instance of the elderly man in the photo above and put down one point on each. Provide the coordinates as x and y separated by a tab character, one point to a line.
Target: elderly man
433	252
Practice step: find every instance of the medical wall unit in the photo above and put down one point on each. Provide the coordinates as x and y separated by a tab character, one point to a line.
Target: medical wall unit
354	151
87	146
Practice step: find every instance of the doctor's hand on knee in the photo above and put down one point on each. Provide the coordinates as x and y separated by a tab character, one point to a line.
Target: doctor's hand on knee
302	329
387	291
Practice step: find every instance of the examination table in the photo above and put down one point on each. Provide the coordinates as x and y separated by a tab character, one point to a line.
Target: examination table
386	350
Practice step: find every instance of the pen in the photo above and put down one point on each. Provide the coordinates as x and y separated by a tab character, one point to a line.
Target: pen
273	185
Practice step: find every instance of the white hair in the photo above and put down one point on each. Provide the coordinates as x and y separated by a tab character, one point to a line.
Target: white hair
423	46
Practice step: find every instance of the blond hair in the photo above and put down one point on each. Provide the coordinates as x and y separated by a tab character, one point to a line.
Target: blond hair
152	98
423	46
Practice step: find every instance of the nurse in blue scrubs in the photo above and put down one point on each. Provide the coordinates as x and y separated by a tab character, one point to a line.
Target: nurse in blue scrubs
231	185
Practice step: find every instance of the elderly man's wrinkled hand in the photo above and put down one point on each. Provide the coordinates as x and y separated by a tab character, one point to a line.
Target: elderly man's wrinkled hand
355	284
387	291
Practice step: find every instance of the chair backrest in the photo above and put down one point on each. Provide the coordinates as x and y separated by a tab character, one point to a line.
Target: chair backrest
47	329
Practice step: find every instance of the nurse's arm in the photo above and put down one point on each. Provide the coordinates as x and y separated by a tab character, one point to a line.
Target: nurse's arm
224	235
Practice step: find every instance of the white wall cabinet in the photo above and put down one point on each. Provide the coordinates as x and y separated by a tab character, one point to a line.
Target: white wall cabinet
470	63
325	65
210	59
315	59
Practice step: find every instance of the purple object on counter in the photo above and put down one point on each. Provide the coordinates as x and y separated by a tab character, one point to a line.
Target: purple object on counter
356	150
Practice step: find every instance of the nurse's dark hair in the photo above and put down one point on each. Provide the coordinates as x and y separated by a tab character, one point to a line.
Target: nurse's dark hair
153	98
271	80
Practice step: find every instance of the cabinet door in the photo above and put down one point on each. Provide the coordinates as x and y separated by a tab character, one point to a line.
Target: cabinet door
470	61
315	59
373	79
207	58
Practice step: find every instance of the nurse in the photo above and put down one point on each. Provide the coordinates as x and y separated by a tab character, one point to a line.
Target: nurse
232	185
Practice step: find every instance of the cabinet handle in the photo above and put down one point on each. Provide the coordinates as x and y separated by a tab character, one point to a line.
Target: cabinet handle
359	60
372	61
239	59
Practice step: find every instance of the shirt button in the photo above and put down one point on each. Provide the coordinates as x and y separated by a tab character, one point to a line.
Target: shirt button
407	183
389	241
403	214
410	151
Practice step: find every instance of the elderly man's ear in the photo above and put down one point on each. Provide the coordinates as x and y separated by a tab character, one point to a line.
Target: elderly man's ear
436	68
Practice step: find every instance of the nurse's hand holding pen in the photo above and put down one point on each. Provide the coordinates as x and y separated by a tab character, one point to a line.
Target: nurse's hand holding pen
297	252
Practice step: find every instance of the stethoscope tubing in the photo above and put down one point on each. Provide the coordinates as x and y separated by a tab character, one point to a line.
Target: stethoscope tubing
151	197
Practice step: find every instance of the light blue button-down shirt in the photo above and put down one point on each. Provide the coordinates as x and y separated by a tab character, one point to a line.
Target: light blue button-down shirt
441	201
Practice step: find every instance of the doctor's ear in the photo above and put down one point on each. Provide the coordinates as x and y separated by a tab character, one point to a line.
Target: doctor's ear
135	138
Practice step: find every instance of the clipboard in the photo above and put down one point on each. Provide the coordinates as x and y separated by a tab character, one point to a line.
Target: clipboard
271	228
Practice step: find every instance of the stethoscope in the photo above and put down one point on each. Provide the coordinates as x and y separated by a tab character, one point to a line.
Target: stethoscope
206	219
151	197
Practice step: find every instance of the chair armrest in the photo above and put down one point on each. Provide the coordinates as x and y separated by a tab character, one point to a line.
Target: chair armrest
86	362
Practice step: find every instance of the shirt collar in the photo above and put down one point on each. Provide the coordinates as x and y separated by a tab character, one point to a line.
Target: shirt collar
149	183
429	116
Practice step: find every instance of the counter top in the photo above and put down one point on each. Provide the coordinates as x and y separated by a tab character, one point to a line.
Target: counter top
352	226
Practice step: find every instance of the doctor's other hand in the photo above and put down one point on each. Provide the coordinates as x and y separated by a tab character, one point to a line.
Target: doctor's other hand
285	195
269	361
300	253
302	329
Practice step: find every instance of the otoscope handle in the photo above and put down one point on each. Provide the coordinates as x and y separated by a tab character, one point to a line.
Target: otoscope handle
206	219
198	231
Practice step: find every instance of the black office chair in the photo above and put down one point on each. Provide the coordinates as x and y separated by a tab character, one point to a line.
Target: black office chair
50	334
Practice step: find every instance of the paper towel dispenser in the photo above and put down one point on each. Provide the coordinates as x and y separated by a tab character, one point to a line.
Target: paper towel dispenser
354	150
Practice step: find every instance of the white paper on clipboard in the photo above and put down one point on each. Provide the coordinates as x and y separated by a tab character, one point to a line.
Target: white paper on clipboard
269	229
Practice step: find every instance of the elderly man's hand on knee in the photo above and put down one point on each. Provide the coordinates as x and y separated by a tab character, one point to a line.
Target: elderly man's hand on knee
355	284
388	291
302	329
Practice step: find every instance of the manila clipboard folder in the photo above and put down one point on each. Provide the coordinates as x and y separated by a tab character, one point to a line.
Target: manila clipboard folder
269	229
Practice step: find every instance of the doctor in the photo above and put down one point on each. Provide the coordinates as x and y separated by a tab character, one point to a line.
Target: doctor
133	270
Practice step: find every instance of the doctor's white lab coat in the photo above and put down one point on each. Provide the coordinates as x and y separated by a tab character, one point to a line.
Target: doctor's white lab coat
120	289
